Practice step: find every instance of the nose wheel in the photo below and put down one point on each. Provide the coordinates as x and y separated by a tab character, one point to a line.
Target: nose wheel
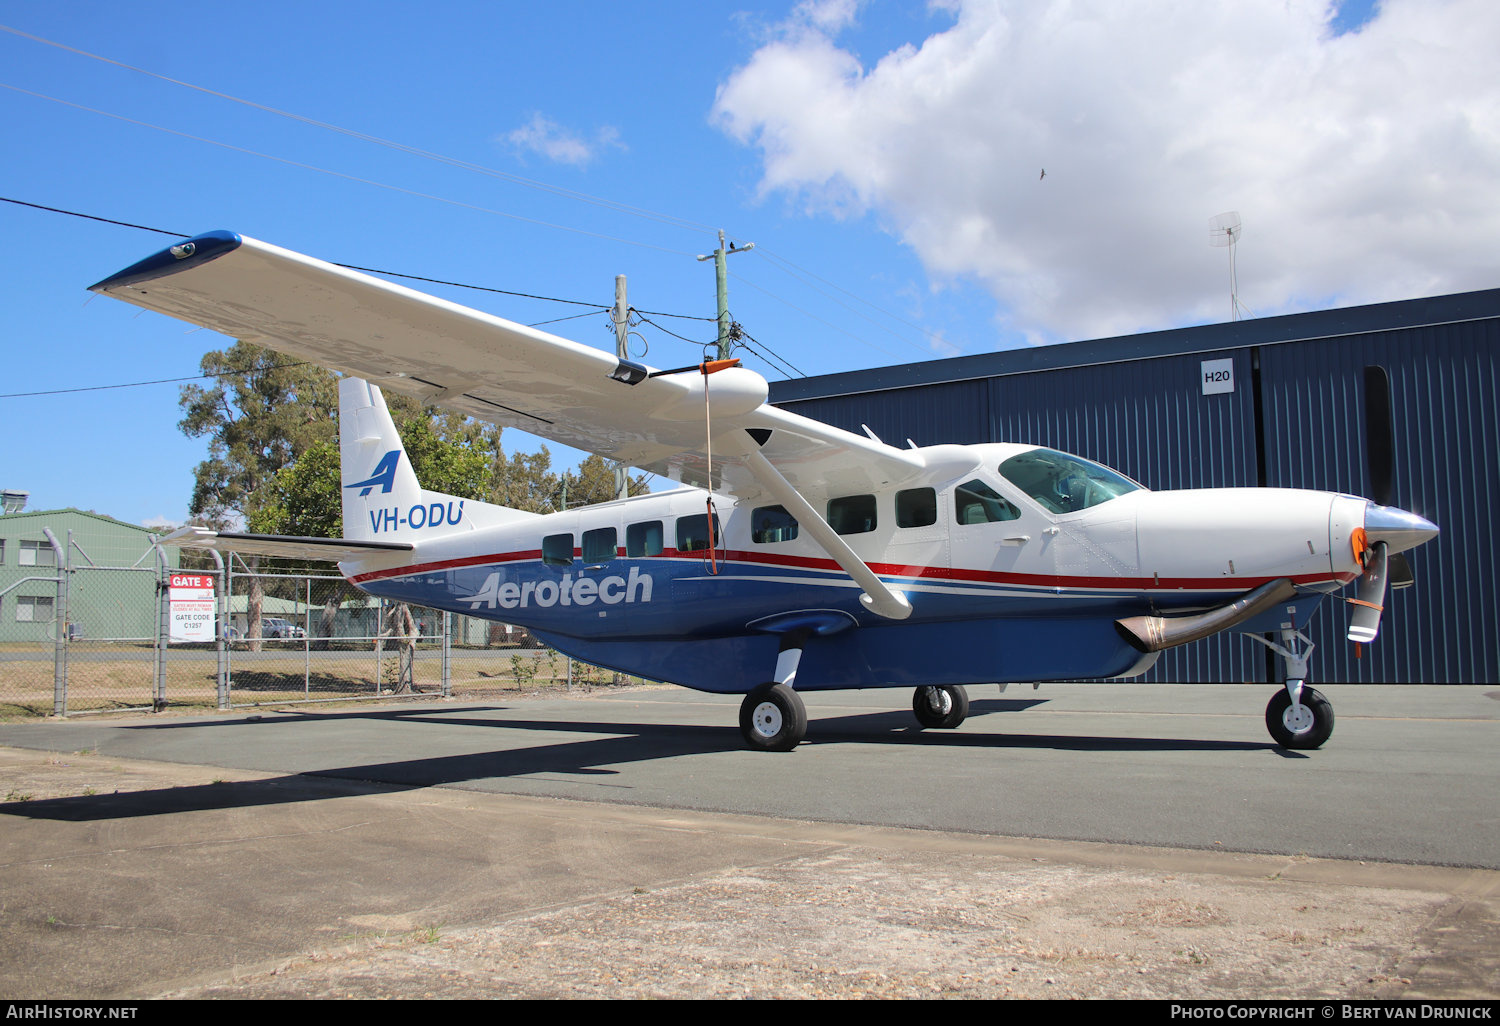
941	707
1306	724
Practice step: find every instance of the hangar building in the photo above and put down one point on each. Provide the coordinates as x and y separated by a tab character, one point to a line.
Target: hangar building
1275	402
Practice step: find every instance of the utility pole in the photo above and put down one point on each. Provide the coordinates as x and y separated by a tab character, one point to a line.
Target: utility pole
621	317
721	278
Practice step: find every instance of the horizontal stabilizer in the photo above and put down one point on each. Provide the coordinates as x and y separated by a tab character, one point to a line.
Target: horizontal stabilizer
286	546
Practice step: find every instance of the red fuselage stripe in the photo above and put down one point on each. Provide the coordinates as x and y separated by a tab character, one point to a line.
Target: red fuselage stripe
939	573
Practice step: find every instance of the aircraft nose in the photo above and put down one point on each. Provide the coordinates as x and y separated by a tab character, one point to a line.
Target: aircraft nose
1399	529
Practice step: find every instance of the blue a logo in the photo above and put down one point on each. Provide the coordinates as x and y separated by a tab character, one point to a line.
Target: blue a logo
384	476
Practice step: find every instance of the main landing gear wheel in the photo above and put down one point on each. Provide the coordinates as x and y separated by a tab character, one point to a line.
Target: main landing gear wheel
773	718
941	706
1307	726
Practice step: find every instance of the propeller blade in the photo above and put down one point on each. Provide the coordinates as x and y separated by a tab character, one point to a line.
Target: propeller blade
1380	439
1369	596
1400	572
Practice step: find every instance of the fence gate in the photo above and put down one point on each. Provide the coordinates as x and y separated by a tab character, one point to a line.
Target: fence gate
146	635
314	636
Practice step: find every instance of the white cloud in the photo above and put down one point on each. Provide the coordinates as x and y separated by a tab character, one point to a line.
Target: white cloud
1365	165
543	136
161	522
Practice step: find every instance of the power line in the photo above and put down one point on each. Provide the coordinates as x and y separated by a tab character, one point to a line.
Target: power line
91	217
138	384
529	183
826	323
669	331
344	175
595	307
800	274
738	331
773	354
803	275
356	267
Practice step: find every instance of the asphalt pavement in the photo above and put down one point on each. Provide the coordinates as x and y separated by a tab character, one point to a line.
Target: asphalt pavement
211	842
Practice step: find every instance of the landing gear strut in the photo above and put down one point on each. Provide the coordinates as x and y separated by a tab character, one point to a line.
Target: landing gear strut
941	707
1298	716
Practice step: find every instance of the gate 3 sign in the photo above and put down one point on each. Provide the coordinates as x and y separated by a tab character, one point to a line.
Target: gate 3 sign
191	602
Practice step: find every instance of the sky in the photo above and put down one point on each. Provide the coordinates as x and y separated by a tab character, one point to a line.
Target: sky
885	158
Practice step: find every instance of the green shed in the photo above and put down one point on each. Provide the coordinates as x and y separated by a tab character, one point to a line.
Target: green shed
112	593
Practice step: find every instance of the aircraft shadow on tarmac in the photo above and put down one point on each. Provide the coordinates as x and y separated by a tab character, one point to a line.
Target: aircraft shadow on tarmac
586	758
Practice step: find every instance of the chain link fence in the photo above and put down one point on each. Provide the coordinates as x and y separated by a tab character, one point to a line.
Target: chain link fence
119	635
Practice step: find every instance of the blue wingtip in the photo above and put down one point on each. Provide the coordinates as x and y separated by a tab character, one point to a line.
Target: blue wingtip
190	253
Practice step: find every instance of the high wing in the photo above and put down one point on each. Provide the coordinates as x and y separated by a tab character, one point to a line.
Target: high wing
502	372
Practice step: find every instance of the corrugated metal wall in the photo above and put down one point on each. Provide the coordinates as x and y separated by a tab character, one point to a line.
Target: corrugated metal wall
928	415
1445	392
1148	418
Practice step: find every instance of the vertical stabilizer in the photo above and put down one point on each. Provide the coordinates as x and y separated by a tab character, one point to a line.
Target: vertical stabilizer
379	484
383	501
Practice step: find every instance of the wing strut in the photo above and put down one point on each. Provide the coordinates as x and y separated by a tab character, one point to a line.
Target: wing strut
877	597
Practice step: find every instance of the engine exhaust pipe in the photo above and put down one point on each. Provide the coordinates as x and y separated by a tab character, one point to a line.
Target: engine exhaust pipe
1155	633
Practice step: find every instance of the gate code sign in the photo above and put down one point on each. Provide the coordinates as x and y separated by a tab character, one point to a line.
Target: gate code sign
190	599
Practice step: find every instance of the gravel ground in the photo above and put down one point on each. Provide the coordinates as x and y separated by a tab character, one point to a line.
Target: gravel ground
861	923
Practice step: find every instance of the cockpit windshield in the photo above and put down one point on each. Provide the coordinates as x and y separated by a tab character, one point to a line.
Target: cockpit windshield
1061	483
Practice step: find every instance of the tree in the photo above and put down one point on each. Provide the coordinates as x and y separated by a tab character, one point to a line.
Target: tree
306	498
262	412
273	460
594	481
525	481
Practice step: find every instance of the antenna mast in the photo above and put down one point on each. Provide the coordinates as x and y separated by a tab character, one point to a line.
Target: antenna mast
1224	230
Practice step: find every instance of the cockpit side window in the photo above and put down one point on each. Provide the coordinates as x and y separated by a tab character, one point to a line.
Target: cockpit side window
975	502
1061	483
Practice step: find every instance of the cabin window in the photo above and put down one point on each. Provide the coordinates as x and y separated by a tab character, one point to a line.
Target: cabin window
692	533
600	546
853	514
916	507
1061	483
557	549
771	524
643	539
975	502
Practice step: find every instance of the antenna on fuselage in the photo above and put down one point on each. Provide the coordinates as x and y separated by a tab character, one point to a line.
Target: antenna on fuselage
1224	231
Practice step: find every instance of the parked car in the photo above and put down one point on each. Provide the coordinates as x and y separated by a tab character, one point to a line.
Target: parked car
276	627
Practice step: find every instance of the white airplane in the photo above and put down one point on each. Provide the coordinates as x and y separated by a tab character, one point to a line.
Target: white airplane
803	557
